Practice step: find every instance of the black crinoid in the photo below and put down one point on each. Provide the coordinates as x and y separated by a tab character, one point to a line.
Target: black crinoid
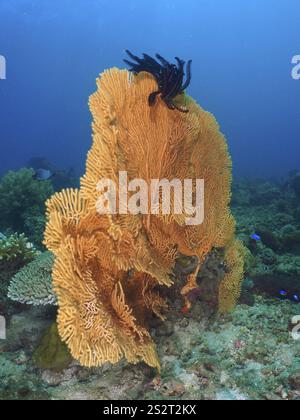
169	77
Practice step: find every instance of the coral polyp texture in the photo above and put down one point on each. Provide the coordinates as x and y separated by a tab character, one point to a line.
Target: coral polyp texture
110	270
96	300
32	285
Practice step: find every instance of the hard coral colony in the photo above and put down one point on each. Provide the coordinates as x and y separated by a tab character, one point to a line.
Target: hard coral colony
110	270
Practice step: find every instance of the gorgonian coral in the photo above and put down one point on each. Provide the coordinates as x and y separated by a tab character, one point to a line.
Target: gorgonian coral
101	308
109	269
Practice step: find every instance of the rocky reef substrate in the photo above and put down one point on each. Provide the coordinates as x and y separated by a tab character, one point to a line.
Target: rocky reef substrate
249	354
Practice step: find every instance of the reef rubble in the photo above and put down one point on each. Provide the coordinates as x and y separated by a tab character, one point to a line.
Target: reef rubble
246	355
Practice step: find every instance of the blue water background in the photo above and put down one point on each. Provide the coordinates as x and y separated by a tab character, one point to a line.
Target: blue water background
241	53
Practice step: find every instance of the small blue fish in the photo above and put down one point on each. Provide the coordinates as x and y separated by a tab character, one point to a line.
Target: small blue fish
290	296
2	237
43	174
255	237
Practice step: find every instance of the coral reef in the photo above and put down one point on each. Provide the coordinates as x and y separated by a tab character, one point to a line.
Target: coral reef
248	354
111	271
296	184
22	204
245	355
15	252
275	262
32	285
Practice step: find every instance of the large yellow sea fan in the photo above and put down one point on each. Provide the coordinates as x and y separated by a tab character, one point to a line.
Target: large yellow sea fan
109	268
158	143
230	288
95	318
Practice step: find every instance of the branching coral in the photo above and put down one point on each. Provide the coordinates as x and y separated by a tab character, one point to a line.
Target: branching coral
33	283
109	268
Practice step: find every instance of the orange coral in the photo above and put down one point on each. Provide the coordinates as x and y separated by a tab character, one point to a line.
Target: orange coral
94	318
156	143
108	267
230	288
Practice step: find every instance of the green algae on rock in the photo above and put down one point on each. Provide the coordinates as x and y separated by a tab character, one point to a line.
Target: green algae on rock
52	353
